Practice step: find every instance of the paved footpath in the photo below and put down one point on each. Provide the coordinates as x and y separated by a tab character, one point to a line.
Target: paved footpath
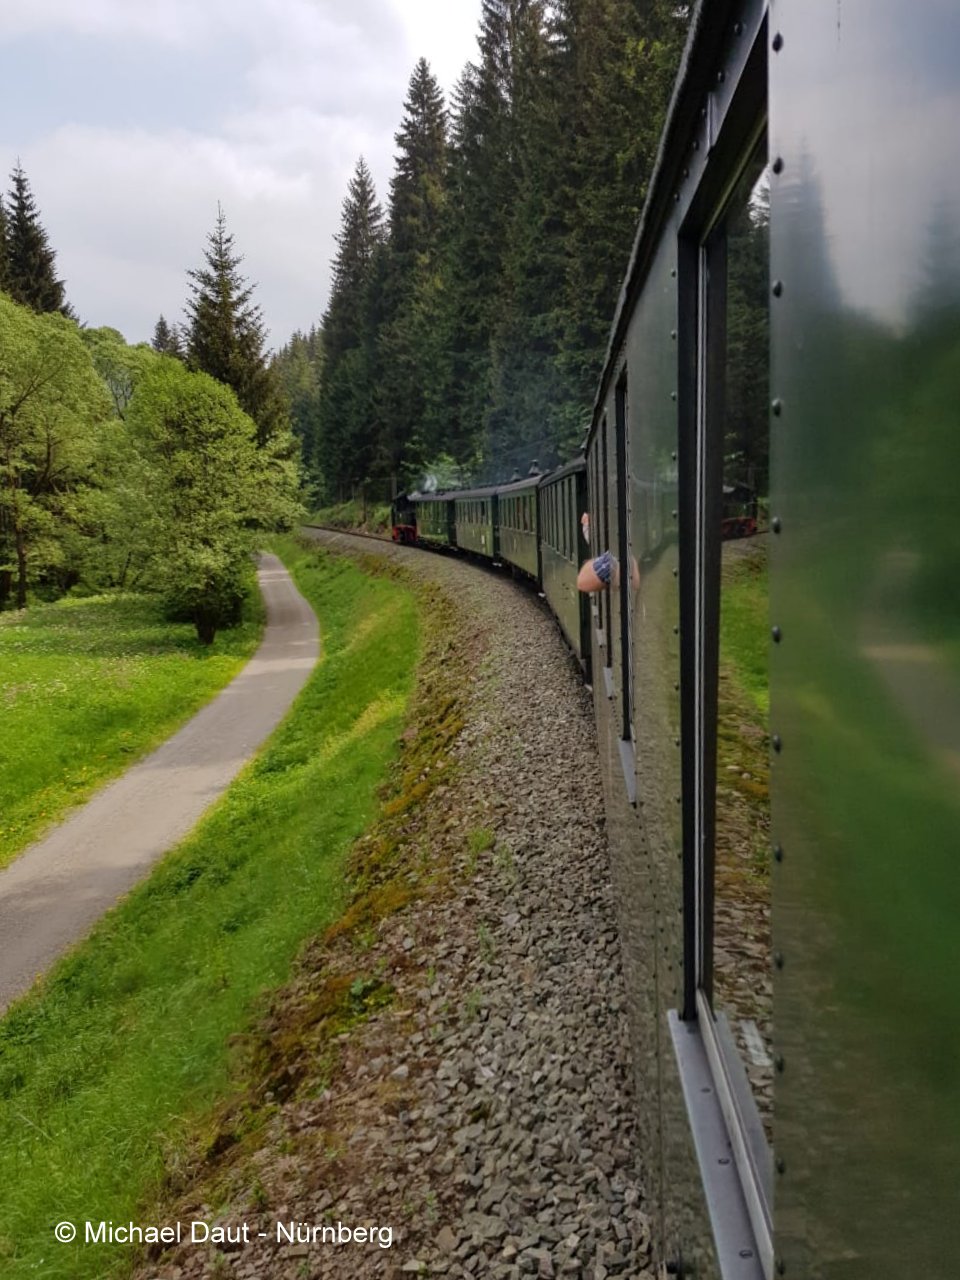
60	886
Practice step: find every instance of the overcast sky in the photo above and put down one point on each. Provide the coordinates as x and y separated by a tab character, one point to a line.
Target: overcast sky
132	118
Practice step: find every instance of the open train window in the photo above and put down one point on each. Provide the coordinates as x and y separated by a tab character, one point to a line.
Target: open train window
603	542
624	583
728	969
573	526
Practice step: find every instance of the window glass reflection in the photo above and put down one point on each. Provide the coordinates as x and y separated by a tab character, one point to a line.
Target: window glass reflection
742	989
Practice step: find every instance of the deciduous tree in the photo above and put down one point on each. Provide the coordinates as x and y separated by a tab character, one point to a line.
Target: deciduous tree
53	407
209	490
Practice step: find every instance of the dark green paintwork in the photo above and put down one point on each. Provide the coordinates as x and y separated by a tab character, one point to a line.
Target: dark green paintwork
865	100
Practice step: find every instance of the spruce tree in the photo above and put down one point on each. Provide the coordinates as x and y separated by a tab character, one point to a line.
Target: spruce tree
30	262
347	435
167	339
225	334
408	355
4	247
487	150
615	68
527	395
299	366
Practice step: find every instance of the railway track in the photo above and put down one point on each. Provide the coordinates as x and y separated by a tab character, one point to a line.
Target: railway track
350	533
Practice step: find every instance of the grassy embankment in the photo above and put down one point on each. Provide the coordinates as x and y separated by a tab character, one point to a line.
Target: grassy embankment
106	1072
87	687
372	518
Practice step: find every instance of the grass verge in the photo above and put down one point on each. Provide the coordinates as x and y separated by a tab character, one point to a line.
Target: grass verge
371	517
107	1068
88	687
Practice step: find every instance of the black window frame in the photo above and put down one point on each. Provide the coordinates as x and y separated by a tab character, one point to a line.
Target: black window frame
702	317
623	555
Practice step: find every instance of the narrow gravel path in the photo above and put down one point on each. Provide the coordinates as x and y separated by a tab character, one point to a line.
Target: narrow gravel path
58	888
487	1115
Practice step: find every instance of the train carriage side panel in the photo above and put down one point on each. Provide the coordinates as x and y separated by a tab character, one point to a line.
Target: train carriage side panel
476	522
561	549
433	518
650	711
865	699
518	526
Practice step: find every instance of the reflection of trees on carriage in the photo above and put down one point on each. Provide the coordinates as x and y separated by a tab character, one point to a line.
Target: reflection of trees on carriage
746	444
653	501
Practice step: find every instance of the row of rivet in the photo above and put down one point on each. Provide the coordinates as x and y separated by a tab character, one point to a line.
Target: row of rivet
777	167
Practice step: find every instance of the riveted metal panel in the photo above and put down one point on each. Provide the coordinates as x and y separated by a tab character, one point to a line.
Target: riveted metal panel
865	454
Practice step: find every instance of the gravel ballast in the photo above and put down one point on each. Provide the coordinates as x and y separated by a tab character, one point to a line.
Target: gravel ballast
486	1114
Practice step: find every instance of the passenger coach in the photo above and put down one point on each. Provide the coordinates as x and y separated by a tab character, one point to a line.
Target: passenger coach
779	714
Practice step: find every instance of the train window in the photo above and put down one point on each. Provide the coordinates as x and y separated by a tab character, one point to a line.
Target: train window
604	540
731	815
625	583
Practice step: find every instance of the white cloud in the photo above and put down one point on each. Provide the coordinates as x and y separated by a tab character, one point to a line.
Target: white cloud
316	82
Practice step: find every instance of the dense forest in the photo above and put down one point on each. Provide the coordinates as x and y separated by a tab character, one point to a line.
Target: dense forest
467	322
462	338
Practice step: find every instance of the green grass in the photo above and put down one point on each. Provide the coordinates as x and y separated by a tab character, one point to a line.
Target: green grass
88	686
745	625
106	1071
374	518
743	766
